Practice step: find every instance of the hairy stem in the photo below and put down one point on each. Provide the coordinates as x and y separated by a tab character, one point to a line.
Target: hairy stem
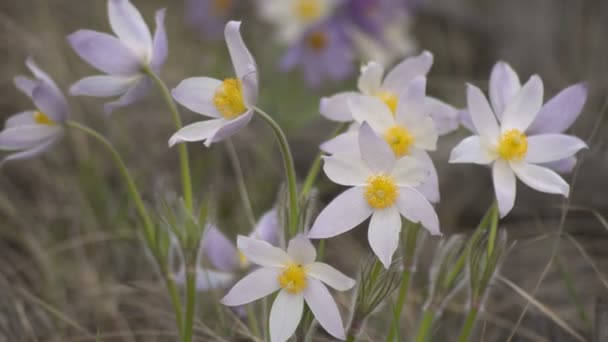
405	284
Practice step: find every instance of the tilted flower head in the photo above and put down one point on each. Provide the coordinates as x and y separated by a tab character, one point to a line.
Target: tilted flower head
323	52
209	17
511	151
32	132
383	188
555	116
229	102
122	58
298	278
408	129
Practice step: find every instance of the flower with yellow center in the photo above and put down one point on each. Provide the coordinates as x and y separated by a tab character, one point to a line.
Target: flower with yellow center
381	191
308	10
243	262
222	6
399	139
228	98
317	41
42	119
390	99
298	278
512	145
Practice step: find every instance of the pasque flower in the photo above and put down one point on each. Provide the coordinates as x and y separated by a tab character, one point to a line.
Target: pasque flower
123	58
230	103
32	132
509	148
555	116
298	278
382	187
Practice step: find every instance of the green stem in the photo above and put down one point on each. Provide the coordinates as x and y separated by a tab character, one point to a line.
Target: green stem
467	328
182	148
290	172
405	284
425	326
493	228
350	337
190	304
253	322
240	181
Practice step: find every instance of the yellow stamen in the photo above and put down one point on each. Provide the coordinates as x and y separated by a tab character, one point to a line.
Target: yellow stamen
243	262
228	98
317	40
42	119
512	145
399	139
390	99
293	278
381	191
222	6
308	10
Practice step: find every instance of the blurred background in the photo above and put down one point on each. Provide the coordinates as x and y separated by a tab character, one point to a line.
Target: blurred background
72	265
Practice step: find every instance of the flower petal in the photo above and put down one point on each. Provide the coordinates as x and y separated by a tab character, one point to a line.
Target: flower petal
344	213
425	134
285	315
128	24
558	114
541	178
324	308
413	206
105	52
482	114
50	102
268	228
445	117
196	94
102	86
504	85
243	62
301	251
221	252
544	148
562	166
32	152
525	106
197	131
504	186
25	84
261	252
376	152
371	110
20	119
383	233
371	78
138	90
409	171
160	46
330	276
253	286
399	77
429	187
336	107
412	102
346	169
464	117
471	150
345	143
27	136
230	128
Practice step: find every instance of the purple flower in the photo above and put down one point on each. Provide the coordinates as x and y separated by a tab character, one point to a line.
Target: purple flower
371	15
209	16
324	51
32	132
555	116
123	58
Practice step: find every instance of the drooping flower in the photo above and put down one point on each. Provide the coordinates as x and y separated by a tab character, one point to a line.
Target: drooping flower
323	52
382	187
555	116
209	17
298	278
512	152
32	132
229	102
123	58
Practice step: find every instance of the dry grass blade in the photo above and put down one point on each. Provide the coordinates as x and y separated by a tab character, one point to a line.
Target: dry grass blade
580	248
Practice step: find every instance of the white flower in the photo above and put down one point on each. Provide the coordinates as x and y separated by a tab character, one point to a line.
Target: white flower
298	278
229	102
382	187
510	151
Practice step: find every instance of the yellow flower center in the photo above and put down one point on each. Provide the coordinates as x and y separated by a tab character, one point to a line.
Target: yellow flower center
228	98
221	6
512	145
42	119
308	10
243	262
317	40
390	99
399	139
293	278
381	191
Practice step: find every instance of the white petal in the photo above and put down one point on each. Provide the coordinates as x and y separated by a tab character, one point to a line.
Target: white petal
371	110
31	152
371	78
409	171
520	113
257	284
412	102
399	77
413	206
20	119
383	233
425	134
102	85
504	85
375	151
26	136
330	276
197	131
471	150
482	114
301	251
430	186
243	62
445	117
541	178
129	26
504	186
544	148
196	94
336	107
324	308
346	169
345	143
261	252
285	316
345	212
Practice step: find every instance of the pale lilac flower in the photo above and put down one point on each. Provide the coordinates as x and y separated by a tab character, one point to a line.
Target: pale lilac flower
323	52
383	188
32	132
555	116
209	17
123	58
230	103
372	15
298	278
509	148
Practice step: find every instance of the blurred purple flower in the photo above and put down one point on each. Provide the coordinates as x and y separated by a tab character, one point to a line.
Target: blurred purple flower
209	16
371	15
122	58
324	51
32	132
